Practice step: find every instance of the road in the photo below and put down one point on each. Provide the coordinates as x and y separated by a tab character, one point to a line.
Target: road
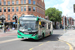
48	43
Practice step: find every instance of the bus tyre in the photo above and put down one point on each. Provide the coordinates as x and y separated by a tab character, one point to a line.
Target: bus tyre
43	35
50	34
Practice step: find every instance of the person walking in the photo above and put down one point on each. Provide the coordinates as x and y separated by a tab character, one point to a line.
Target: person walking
4	29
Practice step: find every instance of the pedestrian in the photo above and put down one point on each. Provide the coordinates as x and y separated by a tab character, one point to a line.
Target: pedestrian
7	28
4	29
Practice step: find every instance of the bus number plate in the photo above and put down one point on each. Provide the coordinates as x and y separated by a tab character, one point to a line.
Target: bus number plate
26	33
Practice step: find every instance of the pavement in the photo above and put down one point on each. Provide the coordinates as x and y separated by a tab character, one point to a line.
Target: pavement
8	33
69	37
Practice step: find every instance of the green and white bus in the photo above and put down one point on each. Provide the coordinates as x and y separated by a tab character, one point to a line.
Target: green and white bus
32	27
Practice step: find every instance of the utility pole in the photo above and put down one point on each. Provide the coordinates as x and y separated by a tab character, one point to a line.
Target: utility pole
64	23
71	23
3	23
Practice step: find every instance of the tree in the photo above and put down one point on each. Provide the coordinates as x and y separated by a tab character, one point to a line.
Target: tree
54	15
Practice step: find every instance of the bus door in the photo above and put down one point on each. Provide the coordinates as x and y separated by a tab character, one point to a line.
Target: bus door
48	28
41	27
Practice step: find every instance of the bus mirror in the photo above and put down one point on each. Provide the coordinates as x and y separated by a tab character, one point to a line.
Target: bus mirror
39	22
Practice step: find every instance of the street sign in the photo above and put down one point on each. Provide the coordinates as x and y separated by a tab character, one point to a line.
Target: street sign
13	22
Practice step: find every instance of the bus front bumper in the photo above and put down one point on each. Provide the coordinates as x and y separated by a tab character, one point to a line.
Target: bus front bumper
28	36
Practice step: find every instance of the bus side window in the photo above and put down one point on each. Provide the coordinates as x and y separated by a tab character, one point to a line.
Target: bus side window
49	26
43	24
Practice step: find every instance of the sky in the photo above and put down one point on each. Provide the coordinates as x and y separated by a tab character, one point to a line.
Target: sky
66	6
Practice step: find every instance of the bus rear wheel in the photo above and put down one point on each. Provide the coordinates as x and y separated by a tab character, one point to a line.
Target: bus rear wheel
50	34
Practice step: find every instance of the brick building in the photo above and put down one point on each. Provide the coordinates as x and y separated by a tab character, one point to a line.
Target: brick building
69	21
9	9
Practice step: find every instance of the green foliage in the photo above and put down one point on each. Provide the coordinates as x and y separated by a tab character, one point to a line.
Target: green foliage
54	14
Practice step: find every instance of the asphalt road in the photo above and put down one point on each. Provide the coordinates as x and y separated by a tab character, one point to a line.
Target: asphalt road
48	43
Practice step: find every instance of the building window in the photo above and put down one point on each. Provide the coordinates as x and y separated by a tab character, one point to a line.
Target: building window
33	8
4	3
21	1
21	8
29	1
8	9
12	9
4	9
8	2
12	2
33	2
24	1
25	8
0	2
17	9
0	9
17	2
29	8
8	17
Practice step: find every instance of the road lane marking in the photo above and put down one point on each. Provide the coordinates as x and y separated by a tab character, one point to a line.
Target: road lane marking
70	46
48	41
39	45
31	49
8	40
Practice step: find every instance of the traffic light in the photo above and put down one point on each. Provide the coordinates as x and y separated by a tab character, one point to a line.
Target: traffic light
2	19
15	20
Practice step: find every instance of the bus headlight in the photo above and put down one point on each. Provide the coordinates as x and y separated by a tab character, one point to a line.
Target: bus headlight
19	34
34	34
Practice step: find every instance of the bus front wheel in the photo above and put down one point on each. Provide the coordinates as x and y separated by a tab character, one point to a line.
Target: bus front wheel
43	35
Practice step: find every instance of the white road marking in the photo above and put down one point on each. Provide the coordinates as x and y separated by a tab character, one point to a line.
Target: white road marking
8	40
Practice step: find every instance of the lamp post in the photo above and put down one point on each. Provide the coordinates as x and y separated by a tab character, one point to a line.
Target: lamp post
64	23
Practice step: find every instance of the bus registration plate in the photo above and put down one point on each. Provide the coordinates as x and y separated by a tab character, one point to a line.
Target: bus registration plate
26	33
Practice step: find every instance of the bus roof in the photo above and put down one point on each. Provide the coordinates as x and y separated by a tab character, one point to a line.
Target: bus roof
32	17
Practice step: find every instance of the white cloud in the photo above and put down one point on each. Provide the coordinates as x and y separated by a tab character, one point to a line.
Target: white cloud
66	7
47	3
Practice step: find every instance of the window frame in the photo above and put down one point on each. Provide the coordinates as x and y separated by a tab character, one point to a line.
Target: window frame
34	2
29	8
24	1
21	1
12	9
17	2
17	9
4	3
8	17
4	9
22	9
8	2
0	9
8	9
34	8
29	1
12	2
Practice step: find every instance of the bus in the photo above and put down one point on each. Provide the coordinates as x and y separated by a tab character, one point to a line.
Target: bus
34	27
